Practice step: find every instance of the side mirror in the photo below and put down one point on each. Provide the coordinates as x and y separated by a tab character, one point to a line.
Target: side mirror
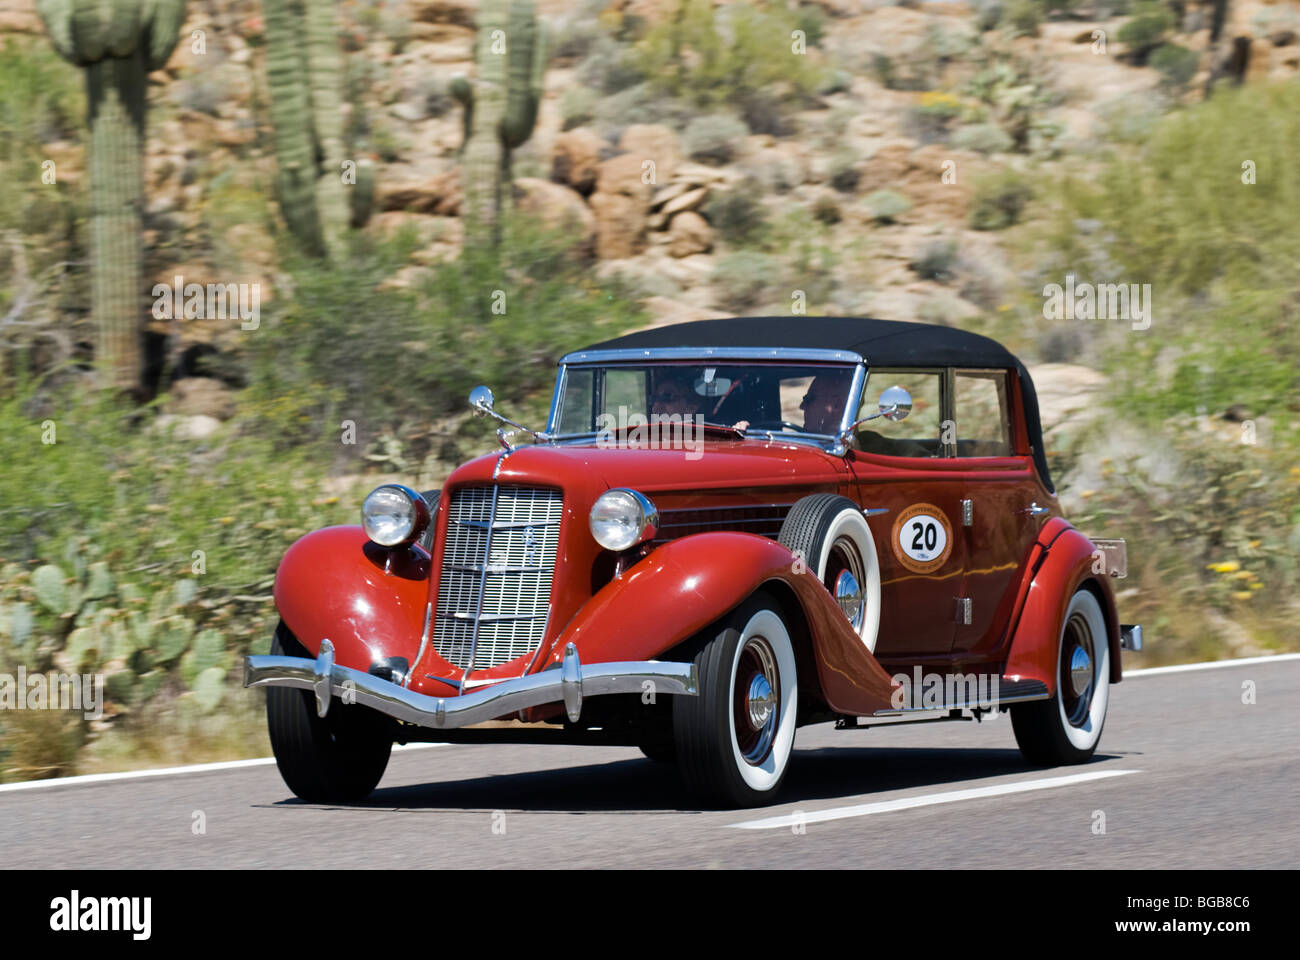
481	400
895	403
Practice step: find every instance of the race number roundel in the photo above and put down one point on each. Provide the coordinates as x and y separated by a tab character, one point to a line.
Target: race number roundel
922	538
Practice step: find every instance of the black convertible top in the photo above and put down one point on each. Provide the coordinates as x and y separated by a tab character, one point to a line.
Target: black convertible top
884	343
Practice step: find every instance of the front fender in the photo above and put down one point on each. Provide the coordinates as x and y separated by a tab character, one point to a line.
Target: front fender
1062	561
369	601
686	584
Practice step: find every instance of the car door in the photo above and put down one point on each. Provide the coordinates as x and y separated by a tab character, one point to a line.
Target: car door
911	495
999	522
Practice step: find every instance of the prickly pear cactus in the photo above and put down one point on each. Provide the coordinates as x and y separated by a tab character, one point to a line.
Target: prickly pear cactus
117	43
501	105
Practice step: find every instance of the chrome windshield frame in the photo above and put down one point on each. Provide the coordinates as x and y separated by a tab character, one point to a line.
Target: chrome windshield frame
592	358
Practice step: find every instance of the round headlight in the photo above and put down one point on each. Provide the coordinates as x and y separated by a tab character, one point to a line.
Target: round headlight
394	515
623	518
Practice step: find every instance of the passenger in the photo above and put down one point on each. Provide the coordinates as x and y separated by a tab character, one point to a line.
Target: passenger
823	404
674	394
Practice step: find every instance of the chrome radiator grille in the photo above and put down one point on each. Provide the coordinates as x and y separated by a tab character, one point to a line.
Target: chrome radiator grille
497	565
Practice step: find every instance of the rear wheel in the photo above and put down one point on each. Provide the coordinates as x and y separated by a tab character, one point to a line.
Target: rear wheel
338	758
1067	728
733	740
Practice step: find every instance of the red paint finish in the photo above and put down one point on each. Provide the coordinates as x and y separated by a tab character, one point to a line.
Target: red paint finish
367	600
734	472
1066	565
685	585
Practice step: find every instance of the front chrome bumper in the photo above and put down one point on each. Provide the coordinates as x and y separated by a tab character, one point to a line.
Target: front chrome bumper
569	684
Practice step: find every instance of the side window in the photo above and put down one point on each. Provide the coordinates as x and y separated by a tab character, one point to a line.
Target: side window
916	436
981	414
626	390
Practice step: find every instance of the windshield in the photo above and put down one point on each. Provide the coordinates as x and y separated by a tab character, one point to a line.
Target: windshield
798	399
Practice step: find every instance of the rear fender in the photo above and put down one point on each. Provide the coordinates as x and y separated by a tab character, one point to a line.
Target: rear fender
687	584
369	601
1062	561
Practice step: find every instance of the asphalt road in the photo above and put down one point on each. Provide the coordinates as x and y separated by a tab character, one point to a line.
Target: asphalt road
1212	782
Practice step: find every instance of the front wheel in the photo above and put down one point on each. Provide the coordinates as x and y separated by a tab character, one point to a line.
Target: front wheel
338	758
733	741
1067	728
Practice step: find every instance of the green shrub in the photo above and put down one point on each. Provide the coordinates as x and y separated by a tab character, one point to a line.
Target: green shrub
743	279
714	139
578	107
999	201
738	213
887	205
1022	18
1177	65
937	261
346	345
1146	28
983	138
826	210
988	13
845	173
739	54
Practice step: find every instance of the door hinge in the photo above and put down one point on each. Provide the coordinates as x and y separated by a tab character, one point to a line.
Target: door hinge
964	610
967	513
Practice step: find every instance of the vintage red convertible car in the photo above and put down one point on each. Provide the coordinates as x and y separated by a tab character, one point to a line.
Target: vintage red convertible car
716	540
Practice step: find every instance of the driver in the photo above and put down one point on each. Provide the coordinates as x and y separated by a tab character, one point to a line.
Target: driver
823	404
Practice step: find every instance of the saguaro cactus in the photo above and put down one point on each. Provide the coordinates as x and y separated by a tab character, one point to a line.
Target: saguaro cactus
501	105
117	43
304	65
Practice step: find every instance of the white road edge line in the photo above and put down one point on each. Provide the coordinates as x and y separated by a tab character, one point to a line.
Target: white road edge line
261	761
1209	665
164	771
907	803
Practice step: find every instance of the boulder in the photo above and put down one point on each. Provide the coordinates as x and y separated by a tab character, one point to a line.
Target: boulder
620	225
575	158
439	194
689	233
620	204
558	207
654	142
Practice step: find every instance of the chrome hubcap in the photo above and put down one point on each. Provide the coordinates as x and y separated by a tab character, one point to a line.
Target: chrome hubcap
1077	668
844	578
761	701
756	700
848	594
1080	671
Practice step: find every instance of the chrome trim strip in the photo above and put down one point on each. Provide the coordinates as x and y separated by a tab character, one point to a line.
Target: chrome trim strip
874	511
1032	690
487	568
424	642
482	524
482	577
631	354
570	684
495	617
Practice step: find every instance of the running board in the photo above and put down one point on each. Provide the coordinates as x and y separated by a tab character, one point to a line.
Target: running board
1008	692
